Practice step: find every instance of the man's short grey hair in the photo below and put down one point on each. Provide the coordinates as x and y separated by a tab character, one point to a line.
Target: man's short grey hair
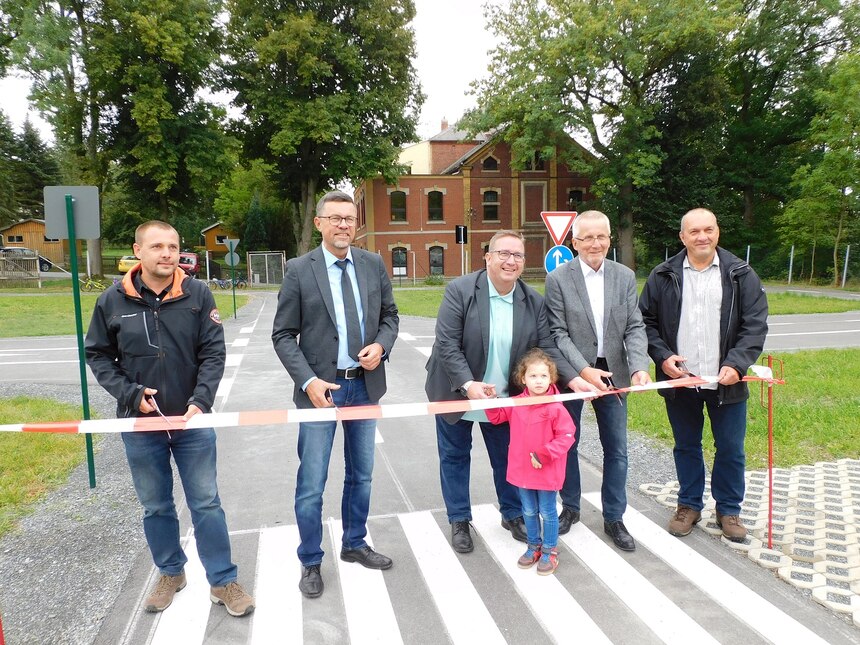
696	211
333	196
507	233
592	216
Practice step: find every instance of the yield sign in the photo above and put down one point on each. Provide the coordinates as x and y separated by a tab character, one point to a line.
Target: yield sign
558	224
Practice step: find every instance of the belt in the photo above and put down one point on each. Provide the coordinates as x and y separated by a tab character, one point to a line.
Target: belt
350	373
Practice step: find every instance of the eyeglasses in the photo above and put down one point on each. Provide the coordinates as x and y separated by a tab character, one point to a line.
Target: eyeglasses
591	239
337	220
504	256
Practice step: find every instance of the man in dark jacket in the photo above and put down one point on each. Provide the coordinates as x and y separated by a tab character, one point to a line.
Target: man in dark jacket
156	344
705	313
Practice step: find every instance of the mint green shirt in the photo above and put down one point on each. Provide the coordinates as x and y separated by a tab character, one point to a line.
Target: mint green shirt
499	351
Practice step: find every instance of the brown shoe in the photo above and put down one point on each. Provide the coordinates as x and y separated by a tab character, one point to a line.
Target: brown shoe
162	594
733	528
233	597
683	520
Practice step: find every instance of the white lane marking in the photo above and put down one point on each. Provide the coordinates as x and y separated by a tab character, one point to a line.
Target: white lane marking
247	330
369	613
663	617
240	342
278	615
24	350
233	360
551	603
816	333
771	623
35	362
466	618
425	350
378	436
406	336
225	386
186	619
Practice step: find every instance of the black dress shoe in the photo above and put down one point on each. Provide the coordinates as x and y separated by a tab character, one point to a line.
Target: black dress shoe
618	532
567	519
461	539
517	527
366	557
311	584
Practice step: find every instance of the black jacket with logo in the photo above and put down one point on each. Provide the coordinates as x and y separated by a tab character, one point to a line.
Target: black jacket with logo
743	317
175	346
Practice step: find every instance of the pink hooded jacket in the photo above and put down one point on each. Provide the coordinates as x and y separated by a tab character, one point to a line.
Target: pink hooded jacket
544	429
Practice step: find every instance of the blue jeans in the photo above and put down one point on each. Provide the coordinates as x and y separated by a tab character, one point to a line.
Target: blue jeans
314	449
729	425
612	428
455	447
543	502
194	452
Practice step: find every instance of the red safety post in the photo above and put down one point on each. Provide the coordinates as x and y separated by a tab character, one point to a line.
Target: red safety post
767	385
2	640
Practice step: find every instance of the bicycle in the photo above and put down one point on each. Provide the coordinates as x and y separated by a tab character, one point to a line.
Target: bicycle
91	284
226	283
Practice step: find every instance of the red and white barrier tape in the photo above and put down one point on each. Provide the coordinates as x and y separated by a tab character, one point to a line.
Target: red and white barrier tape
278	417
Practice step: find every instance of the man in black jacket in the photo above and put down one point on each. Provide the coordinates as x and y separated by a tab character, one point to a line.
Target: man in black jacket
156	344
705	313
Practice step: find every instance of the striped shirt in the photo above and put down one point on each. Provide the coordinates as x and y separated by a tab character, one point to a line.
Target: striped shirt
699	329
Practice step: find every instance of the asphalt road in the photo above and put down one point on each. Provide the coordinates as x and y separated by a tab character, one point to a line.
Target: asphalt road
668	590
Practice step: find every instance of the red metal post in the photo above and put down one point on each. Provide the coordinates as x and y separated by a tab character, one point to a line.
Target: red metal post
770	456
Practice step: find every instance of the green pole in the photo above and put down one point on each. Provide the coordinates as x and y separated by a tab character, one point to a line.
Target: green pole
233	273
76	294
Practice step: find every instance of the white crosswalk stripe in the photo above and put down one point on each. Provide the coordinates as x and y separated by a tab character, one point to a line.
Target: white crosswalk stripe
365	608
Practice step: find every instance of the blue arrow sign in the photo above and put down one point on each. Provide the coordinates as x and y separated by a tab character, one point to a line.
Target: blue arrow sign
557	256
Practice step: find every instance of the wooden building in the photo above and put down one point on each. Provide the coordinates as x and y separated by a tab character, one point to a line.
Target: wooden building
30	234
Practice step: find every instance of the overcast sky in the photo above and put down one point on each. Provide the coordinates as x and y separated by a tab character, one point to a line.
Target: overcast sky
452	47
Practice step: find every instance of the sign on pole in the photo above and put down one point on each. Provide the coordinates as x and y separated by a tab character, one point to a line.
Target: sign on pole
557	256
232	259
558	224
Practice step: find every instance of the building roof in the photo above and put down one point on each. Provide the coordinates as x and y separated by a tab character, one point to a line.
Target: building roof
460	136
211	226
22	221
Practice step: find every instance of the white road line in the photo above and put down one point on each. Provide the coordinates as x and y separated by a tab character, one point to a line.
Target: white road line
186	618
668	621
24	350
466	618
771	623
240	342
369	613
247	330
406	336
550	602
816	333
378	436
278	616
225	386
425	350
233	360
35	362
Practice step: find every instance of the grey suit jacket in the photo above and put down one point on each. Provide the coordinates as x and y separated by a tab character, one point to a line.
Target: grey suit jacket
571	320
305	328
463	337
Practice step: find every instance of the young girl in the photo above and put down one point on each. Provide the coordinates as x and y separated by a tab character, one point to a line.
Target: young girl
541	435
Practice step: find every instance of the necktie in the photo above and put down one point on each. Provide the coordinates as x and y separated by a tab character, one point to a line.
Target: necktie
353	327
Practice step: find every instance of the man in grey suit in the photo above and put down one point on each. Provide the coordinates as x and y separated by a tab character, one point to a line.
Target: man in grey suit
335	325
487	321
595	320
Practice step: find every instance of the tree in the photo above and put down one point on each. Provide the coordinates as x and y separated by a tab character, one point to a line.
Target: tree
36	168
594	68
327	90
8	158
828	204
255	237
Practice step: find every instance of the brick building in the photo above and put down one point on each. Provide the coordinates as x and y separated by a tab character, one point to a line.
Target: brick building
456	180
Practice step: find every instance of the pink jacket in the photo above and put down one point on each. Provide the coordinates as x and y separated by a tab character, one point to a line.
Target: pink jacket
544	429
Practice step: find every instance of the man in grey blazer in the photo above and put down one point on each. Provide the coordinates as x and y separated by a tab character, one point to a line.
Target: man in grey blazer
335	325
594	317
488	319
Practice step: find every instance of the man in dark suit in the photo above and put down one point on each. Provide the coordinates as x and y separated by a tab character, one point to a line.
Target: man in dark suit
594	317
487	321
335	325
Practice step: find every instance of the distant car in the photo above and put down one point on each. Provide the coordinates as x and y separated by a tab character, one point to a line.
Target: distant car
190	263
16	252
125	263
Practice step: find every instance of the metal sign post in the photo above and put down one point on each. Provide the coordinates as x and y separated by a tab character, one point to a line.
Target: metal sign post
232	259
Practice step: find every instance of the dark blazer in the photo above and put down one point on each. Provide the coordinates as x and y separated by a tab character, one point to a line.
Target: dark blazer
305	328
571	320
463	337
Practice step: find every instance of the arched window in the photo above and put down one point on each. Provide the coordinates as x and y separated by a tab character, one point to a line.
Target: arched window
434	206
398	206
490	163
398	261
437	260
491	205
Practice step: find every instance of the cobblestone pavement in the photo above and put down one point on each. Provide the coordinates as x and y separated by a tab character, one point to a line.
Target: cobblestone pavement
816	512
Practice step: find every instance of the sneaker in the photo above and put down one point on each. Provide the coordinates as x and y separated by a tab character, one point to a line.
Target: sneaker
233	597
548	562
683	520
163	592
528	558
733	528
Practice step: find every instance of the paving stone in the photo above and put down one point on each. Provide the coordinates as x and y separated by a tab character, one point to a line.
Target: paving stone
655	489
670	500
802	579
769	558
797	552
750	542
835	572
837	599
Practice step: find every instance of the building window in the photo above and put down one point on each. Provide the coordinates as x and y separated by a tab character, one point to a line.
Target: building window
490	163
437	261
491	205
221	239
535	163
434	206
398	260
574	198
50	239
16	238
398	206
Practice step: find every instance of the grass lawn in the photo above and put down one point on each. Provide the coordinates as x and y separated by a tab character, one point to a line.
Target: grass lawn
54	315
33	464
